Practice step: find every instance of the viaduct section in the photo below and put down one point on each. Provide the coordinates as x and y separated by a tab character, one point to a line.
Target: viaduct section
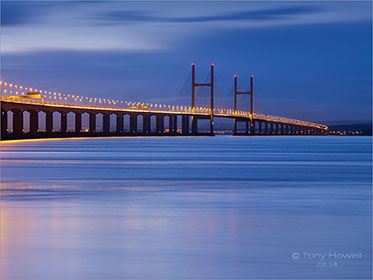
183	122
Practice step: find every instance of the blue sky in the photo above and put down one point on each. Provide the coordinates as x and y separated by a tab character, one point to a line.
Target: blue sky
311	60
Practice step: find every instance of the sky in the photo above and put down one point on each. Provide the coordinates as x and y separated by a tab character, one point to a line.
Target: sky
311	60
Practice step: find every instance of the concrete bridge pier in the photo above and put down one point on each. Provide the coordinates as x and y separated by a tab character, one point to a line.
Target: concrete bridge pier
174	122
119	123
63	122
247	127
78	122
159	124
194	125
146	124
34	122
49	122
252	127
106	123
92	122
17	122
171	121
133	124
4	123
276	129
265	128
258	127
185	124
288	131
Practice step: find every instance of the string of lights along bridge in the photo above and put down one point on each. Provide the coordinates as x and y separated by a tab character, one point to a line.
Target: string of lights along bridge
30	112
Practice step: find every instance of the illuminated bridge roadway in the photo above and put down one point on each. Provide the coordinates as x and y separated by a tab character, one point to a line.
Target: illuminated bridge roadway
47	116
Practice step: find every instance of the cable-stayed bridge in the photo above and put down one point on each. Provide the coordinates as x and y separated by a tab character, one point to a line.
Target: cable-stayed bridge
28	112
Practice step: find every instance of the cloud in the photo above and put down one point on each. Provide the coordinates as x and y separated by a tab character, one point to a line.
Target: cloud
131	26
260	14
15	13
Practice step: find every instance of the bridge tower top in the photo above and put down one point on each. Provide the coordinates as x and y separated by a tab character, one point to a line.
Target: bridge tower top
211	85
251	93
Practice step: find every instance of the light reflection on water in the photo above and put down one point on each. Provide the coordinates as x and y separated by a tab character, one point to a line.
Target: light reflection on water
210	207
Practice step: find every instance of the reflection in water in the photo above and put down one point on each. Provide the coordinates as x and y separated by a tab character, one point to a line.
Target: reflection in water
218	207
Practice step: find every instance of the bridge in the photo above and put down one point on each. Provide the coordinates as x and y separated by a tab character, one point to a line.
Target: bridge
28	113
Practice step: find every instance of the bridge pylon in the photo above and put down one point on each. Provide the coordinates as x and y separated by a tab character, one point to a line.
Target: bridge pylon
250	93
194	85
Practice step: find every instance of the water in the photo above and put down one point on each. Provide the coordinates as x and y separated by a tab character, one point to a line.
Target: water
205	207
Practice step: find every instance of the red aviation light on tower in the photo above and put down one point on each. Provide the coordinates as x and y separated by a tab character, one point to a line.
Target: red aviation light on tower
212	64
252	76
192	64
235	76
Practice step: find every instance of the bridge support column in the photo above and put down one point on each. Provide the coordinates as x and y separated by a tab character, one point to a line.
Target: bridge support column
235	126
133	124
277	128
106	123
92	122
175	124
63	122
146	124
17	122
119	123
265	128
271	127
259	127
78	122
4	123
247	127
172	124
49	122
194	125
34	122
185	125
252	127
159	124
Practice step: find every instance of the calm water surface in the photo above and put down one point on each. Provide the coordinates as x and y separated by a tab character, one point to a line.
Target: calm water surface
207	207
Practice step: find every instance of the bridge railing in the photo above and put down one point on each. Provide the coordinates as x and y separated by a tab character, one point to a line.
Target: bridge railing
18	93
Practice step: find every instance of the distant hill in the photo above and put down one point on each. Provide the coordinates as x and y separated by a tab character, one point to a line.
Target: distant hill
344	122
351	129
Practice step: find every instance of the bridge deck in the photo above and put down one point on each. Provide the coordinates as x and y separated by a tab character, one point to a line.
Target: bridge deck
41	105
